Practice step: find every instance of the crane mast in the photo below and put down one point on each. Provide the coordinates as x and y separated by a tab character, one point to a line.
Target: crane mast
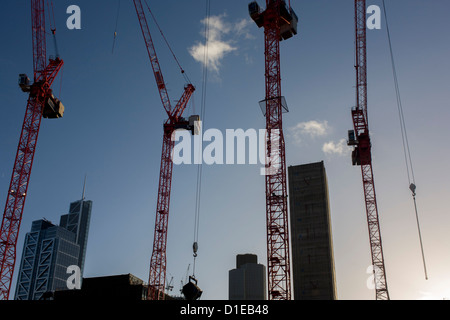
361	155
41	103
280	23
157	274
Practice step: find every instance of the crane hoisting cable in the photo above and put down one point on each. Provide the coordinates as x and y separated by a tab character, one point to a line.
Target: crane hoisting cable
168	45
192	287
407	153
412	187
53	26
115	29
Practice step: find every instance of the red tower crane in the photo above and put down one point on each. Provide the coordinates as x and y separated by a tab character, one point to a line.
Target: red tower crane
41	103
280	23
362	156
157	276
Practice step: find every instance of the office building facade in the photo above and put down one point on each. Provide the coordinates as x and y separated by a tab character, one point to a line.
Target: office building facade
313	270
78	221
50	249
248	280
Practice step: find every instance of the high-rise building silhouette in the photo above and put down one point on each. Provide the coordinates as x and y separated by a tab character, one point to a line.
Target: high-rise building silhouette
50	249
313	271
248	280
77	221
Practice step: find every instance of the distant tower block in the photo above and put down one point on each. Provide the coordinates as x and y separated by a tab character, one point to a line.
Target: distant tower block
248	280
311	236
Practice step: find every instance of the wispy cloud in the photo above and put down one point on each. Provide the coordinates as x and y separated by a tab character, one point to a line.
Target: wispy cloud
318	129
339	148
242	28
311	128
219	42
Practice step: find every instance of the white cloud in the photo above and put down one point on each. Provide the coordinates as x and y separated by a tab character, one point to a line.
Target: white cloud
311	128
241	28
339	148
216	51
318	129
218	47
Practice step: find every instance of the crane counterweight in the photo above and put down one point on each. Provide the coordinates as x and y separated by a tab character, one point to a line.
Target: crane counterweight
53	108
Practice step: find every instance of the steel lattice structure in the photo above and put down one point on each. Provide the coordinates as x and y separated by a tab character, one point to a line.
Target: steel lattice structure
362	153
157	275
279	23
39	94
276	187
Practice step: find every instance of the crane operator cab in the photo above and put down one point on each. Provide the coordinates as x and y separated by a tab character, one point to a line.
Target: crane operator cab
288	19
353	141
53	108
24	83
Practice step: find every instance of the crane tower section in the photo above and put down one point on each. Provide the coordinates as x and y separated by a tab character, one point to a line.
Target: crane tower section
359	138
280	23
41	103
175	121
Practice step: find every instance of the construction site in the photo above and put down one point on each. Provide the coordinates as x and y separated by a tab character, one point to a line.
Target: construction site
344	104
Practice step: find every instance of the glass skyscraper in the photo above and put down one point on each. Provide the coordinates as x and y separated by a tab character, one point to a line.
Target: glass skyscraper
50	249
77	221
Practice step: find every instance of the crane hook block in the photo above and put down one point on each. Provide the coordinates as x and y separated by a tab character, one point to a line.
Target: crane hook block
191	291
412	187
195	248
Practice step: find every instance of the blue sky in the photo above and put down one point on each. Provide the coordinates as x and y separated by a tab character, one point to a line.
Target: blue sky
112	131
